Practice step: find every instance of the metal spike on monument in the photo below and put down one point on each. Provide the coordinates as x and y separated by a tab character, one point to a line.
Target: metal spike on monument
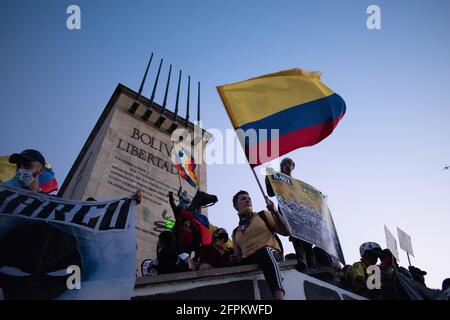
174	124
161	118
135	153
197	138
148	112
198	102
187	103
198	124
178	95
195	141
135	104
167	91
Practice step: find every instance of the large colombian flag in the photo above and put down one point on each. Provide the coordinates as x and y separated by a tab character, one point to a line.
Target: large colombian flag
294	101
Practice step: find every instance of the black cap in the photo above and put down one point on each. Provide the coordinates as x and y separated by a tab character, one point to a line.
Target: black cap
29	154
386	253
377	251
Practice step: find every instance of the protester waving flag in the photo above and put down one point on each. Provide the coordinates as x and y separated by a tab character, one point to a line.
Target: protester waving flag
186	166
47	180
295	102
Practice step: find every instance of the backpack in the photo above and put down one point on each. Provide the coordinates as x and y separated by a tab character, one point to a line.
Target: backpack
262	215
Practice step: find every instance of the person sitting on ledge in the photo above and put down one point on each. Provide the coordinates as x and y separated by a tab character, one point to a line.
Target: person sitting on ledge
216	255
168	259
255	241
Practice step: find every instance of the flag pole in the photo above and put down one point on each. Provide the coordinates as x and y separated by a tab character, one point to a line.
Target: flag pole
173	150
179	179
253	170
409	260
259	184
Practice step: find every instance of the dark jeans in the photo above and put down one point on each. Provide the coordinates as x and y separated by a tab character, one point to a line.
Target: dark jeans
304	252
267	258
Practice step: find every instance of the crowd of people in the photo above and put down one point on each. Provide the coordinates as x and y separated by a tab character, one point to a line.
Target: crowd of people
255	241
192	246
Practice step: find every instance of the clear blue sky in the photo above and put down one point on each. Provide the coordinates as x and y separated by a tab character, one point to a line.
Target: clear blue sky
382	165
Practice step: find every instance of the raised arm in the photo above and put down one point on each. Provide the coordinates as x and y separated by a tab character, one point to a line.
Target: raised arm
281	225
176	210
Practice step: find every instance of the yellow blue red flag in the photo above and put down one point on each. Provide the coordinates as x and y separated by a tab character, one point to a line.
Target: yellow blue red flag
7	169
295	102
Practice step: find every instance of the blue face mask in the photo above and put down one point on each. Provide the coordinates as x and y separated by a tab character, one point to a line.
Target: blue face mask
25	177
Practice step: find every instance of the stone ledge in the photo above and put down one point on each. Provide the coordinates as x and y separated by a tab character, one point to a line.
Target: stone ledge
193	275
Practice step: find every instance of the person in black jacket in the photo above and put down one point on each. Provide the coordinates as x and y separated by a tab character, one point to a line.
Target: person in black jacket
169	261
217	255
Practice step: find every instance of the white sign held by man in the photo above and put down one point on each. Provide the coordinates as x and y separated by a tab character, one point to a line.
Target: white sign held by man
391	243
405	241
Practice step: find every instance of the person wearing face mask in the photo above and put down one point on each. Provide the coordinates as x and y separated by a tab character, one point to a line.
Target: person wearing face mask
29	166
218	254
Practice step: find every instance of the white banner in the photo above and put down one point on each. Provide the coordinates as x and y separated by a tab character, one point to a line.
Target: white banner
391	243
405	241
52	248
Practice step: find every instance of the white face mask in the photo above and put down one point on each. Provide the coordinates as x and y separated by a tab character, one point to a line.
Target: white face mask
25	177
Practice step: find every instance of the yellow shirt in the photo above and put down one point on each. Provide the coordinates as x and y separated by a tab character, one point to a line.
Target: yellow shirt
358	269
256	236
